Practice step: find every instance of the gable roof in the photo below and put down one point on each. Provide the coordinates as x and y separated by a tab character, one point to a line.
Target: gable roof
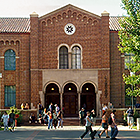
70	6
14	25
114	23
22	25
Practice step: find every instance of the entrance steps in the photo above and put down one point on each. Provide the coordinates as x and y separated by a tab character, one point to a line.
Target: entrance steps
67	121
76	122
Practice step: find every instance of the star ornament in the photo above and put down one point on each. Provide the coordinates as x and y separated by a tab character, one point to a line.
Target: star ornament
69	29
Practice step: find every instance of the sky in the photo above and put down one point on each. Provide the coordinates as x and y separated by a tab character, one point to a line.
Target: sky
23	8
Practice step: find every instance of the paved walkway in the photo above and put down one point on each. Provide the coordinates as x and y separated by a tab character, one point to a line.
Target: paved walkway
65	133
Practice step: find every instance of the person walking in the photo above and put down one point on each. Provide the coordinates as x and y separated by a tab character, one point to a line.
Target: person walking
114	129
5	118
88	126
12	121
104	125
130	117
82	116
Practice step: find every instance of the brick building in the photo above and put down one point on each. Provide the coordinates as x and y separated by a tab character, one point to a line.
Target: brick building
69	57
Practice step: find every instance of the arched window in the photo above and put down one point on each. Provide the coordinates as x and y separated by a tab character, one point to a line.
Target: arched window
76	57
63	58
10	60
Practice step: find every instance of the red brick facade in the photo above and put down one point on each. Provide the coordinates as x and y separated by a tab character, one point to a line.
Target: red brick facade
37	52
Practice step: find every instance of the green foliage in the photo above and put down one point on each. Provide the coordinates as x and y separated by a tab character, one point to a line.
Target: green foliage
16	111
130	43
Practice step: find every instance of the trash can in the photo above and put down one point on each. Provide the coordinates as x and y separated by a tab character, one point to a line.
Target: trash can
138	123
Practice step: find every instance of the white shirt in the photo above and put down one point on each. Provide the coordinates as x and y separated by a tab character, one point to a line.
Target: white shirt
5	118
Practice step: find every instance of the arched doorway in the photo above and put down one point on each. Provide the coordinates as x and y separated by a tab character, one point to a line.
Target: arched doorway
52	95
88	97
70	100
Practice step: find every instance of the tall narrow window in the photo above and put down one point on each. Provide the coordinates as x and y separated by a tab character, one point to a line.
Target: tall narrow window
10	60
128	59
10	96
76	57
63	58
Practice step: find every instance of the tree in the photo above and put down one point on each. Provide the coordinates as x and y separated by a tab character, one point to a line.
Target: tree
130	44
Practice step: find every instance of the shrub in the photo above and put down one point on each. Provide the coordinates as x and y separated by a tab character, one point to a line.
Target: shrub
16	111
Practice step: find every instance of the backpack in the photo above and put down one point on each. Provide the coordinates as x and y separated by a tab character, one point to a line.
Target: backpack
110	120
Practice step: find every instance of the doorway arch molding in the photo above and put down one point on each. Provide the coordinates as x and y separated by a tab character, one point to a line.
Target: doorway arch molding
51	82
91	82
73	82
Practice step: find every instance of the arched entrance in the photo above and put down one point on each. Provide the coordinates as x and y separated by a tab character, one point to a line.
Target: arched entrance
52	95
70	100
88	97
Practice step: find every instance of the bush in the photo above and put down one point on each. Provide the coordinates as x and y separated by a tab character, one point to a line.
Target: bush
16	111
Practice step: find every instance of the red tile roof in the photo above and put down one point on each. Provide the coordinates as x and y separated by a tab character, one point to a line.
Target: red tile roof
14	25
114	23
22	25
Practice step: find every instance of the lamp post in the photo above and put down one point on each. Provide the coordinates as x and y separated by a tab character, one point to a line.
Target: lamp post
131	74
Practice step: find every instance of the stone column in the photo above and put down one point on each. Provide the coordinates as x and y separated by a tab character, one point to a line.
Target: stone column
79	101
98	103
61	100
69	59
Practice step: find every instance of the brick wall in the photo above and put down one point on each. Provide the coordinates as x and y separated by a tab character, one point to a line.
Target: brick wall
117	69
20	77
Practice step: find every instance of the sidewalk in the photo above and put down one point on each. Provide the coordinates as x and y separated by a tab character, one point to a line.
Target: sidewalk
120	128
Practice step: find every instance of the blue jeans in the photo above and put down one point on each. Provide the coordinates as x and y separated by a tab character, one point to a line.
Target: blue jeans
114	132
60	121
50	123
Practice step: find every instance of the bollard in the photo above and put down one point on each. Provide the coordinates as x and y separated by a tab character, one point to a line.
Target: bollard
138	123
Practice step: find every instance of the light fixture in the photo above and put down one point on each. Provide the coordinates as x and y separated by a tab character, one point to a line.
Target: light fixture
69	88
86	88
52	88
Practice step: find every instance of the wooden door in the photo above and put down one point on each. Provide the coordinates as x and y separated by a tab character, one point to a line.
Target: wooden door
89	100
54	98
70	101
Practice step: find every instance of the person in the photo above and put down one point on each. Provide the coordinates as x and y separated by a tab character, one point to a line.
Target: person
113	125
130	117
82	116
104	125
50	119
93	115
60	118
41	108
137	105
46	118
54	119
88	126
111	106
32	118
40	118
104	108
22	106
57	108
51	108
26	106
5	118
12	121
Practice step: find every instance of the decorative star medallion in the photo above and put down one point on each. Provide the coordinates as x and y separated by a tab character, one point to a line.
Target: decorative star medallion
69	29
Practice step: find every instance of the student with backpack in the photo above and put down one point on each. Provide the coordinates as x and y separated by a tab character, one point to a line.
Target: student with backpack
130	117
88	126
113	125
